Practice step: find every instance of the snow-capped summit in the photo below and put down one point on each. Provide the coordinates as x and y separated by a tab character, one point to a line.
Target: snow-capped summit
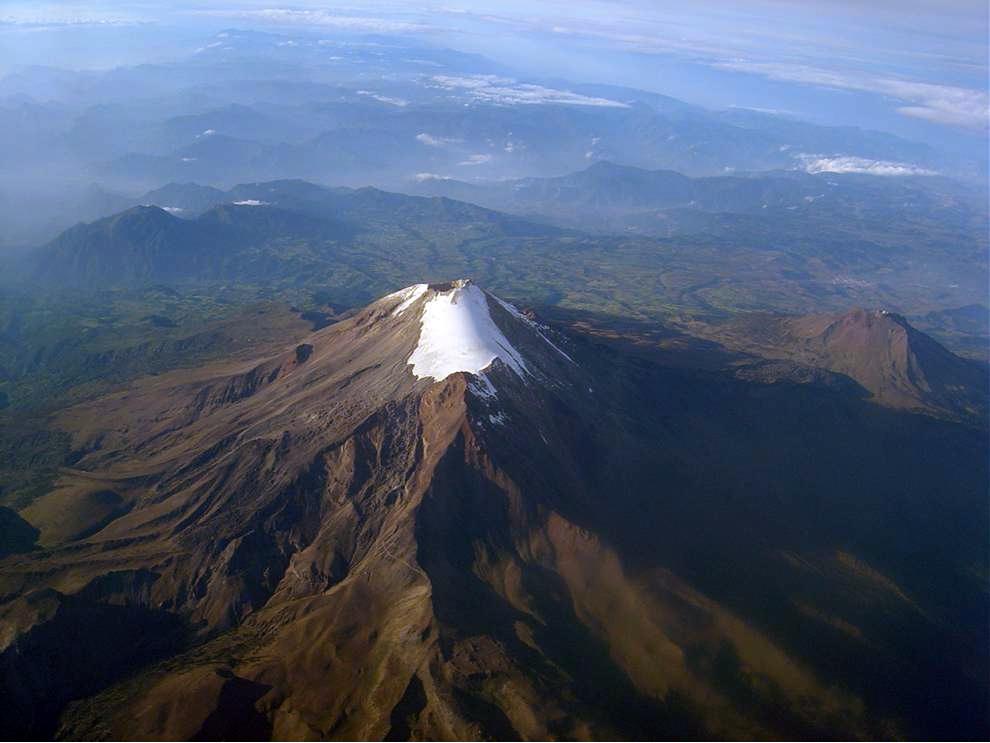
463	328
459	335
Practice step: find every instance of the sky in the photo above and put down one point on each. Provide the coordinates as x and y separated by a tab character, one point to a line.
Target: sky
917	68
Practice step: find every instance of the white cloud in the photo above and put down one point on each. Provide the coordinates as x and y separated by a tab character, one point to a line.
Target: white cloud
852	164
251	202
430	140
476	160
944	104
421	177
324	18
384	98
214	45
741	39
60	14
173	209
506	91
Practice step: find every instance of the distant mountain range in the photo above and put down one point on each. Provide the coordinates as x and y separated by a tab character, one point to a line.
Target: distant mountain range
355	137
612	198
250	106
147	244
257	232
653	243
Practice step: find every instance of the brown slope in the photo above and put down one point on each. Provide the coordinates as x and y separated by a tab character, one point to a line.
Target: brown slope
900	366
455	603
355	553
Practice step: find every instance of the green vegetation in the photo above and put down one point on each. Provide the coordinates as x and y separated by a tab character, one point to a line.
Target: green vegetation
176	292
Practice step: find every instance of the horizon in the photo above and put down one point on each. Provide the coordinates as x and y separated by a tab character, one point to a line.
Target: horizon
917	70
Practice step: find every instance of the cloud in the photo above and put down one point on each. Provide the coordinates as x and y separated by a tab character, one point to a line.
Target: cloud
384	98
49	15
214	45
422	177
480	159
774	39
322	18
251	202
944	104
851	164
506	91
430	140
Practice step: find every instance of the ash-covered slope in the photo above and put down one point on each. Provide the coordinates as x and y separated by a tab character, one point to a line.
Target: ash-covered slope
295	485
441	519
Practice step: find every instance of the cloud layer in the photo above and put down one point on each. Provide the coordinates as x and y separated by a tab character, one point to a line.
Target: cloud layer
944	104
851	164
506	91
321	18
431	141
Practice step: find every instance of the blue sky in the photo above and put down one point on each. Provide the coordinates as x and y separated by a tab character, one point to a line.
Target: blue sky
914	67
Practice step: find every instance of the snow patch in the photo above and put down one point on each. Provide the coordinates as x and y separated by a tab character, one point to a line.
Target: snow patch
481	386
407	297
459	335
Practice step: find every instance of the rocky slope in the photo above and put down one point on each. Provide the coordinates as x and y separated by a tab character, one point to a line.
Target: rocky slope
441	519
898	365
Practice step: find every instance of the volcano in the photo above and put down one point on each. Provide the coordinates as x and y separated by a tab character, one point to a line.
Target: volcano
896	364
440	518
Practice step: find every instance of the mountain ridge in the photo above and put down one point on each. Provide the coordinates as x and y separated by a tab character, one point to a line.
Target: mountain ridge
899	365
243	234
610	186
332	546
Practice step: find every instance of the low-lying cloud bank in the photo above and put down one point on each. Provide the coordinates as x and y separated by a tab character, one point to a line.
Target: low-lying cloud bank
942	104
506	91
852	164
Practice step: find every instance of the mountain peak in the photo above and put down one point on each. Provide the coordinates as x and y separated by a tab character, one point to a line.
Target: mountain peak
463	328
867	317
458	334
899	364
